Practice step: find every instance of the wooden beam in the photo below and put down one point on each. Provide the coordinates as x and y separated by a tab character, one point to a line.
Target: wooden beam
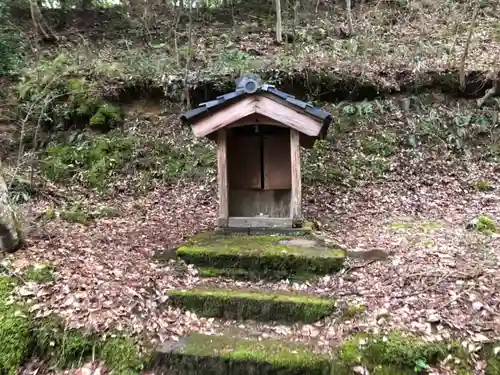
256	119
296	199
287	116
222	175
224	117
260	222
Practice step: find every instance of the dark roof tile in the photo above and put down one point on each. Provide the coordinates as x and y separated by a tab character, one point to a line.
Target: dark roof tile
210	106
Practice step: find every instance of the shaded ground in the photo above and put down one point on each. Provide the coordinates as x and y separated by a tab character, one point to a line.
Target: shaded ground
439	281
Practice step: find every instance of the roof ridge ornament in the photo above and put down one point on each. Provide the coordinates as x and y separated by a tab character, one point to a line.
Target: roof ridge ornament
250	83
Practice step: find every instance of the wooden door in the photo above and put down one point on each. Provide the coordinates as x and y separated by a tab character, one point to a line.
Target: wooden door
244	161
276	162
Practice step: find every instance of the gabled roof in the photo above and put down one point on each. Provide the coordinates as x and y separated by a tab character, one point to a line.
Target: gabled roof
248	85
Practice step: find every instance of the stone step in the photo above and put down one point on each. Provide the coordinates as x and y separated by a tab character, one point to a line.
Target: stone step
251	304
199	354
393	353
272	257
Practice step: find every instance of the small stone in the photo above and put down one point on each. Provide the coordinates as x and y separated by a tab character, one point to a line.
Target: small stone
434	318
477	305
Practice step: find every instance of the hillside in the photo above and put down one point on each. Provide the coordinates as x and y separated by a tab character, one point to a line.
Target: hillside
108	179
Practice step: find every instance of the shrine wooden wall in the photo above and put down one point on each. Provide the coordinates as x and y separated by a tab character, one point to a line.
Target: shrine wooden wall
259	172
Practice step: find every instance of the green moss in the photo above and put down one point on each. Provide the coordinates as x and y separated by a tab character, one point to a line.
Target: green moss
353	310
121	354
49	214
259	254
247	356
40	273
22	336
393	351
76	213
264	306
15	330
241	274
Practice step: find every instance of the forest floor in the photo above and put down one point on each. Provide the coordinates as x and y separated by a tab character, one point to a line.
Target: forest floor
439	279
402	183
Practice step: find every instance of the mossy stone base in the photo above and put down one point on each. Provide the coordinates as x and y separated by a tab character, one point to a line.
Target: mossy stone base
220	355
260	255
234	304
304	230
249	275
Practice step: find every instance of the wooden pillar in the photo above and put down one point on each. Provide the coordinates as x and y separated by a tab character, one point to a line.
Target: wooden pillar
222	177
296	201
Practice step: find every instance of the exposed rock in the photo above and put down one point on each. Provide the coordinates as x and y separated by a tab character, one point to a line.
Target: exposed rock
10	238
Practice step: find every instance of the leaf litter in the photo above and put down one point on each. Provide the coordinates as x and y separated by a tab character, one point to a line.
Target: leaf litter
440	280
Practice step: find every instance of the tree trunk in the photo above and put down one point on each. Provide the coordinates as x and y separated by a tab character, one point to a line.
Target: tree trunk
39	24
467	45
350	27
279	36
10	238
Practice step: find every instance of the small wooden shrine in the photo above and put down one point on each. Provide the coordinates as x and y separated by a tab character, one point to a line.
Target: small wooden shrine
259	131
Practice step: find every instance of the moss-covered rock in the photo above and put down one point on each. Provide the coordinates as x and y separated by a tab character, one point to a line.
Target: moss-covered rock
390	354
262	255
211	355
254	275
264	306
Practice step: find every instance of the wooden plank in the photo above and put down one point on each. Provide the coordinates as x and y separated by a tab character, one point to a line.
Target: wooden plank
224	117
287	116
244	161
222	175
256	202
296	200
256	119
259	222
277	162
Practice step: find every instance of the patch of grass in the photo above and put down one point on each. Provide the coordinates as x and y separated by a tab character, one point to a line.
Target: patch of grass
121	354
259	254
492	353
483	224
384	145
484	185
91	162
15	330
234	304
353	310
40	273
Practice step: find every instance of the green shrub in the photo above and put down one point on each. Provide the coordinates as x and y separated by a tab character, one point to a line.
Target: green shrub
92	162
49	92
